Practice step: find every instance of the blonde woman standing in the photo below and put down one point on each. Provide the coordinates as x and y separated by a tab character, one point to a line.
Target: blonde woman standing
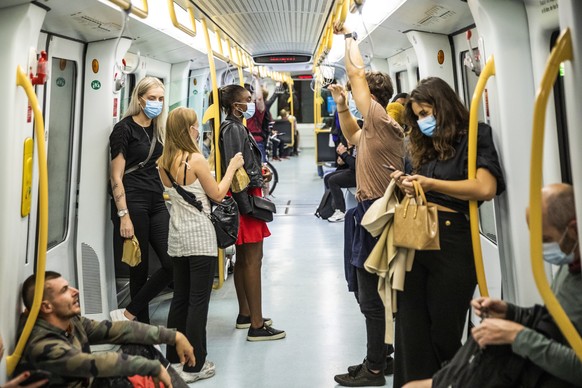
192	240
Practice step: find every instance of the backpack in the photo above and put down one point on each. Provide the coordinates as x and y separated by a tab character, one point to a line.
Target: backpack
325	208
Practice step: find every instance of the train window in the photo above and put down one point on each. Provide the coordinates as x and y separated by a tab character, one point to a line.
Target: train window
60	142
125	94
561	123
402	81
470	83
487	221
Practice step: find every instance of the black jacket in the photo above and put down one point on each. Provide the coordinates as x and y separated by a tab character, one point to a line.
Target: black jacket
235	137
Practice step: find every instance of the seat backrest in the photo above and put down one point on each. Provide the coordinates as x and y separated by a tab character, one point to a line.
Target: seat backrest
285	131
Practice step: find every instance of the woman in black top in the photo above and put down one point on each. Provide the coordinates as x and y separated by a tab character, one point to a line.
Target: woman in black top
138	205
433	306
237	103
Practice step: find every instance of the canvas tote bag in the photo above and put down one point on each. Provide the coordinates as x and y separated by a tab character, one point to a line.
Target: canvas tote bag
416	223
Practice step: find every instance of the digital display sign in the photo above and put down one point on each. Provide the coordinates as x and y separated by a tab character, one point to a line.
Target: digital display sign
280	58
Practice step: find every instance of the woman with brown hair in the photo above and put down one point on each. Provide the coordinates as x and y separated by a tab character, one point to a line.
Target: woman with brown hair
237	103
192	239
433	306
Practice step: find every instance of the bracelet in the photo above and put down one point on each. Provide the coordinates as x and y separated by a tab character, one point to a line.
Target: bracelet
342	111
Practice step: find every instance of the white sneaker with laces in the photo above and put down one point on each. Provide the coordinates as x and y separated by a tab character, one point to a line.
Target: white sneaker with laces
207	371
118	315
337	216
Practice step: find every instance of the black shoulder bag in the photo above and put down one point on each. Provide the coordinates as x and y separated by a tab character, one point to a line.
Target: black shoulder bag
224	216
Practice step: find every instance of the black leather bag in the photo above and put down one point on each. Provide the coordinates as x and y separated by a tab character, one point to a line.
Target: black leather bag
263	209
224	216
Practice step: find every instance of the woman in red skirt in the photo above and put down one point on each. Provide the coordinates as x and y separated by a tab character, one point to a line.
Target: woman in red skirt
237	102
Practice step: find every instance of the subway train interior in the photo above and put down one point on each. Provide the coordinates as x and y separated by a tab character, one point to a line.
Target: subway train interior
68	69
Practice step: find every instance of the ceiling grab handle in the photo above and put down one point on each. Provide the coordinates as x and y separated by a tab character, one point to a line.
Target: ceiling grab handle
213	113
487	72
177	24
561	52
23	81
128	7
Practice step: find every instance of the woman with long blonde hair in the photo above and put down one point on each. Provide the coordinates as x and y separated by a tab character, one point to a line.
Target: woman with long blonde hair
192	241
137	206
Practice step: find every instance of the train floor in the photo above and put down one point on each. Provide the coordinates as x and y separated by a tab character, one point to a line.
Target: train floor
304	292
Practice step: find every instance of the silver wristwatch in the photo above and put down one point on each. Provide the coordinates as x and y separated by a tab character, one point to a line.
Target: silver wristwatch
122	212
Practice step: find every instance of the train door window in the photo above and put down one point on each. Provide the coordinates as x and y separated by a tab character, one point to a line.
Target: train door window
470	80
487	221
60	147
125	94
402	81
561	123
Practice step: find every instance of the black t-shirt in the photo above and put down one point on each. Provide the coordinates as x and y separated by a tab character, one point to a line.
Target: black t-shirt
455	168
133	141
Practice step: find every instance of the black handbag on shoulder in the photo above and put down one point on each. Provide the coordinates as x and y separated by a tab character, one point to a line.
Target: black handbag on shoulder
263	209
224	216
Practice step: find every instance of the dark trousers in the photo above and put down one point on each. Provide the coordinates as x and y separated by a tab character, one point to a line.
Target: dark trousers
433	306
150	219
278	147
193	277
337	180
373	309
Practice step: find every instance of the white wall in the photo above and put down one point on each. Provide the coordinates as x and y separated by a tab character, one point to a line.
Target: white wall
404	61
427	46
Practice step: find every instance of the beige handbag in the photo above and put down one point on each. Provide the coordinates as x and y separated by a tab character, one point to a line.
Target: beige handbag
416	224
131	252
240	181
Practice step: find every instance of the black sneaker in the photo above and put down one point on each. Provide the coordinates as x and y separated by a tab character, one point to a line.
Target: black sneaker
243	322
388	368
265	333
360	376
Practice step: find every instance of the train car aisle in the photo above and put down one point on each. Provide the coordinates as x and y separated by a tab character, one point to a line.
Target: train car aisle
304	292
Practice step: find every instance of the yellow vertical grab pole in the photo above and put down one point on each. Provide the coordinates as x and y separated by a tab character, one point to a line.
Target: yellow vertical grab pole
13	359
488	71
561	52
213	112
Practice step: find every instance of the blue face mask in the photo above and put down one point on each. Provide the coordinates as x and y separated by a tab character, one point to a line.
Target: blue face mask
353	109
250	112
553	253
153	108
427	125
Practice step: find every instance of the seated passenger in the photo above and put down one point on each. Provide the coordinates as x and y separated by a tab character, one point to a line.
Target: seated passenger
343	177
61	338
499	326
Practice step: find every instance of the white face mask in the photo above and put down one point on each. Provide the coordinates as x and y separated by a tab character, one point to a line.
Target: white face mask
553	253
250	112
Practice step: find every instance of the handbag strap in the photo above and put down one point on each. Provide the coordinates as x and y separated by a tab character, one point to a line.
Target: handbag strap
141	164
419	193
188	196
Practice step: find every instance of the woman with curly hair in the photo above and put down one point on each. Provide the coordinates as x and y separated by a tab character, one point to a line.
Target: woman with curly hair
433	306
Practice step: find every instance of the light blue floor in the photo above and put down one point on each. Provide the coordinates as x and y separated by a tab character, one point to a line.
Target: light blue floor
304	292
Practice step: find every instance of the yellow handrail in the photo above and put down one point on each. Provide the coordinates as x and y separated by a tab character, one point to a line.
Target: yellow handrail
343	13
213	112
23	81
127	6
177	24
561	52
488	71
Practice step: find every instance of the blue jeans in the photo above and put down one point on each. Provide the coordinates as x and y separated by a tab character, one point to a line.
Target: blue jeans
261	145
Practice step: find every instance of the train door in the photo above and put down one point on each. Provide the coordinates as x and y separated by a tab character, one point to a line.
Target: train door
62	107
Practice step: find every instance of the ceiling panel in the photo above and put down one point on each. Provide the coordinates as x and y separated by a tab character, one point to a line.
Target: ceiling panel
270	26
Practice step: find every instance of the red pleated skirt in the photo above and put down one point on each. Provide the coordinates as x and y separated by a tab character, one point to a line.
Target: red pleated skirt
252	230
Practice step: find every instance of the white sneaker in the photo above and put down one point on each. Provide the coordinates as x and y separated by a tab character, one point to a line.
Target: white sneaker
337	216
177	367
118	315
207	371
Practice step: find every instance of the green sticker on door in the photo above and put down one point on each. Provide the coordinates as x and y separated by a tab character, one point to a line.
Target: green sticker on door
96	85
60	82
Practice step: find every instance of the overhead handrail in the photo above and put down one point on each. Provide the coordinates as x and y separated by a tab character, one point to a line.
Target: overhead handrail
23	81
213	112
488	72
177	24
561	52
128	7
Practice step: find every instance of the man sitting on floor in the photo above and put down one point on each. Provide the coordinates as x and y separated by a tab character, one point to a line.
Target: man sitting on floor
61	338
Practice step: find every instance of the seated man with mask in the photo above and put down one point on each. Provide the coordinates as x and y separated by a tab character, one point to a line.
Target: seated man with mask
60	342
556	363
